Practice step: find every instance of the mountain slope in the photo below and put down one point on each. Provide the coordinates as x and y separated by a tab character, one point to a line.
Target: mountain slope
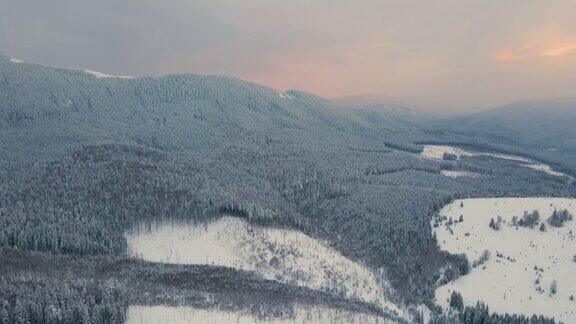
394	113
78	107
84	159
543	124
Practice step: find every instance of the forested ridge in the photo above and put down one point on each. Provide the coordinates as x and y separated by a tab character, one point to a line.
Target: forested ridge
544	127
84	159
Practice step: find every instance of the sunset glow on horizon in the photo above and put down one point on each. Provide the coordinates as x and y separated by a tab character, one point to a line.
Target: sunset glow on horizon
560	51
438	56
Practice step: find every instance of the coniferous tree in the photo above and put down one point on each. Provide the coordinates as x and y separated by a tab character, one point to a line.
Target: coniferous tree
554	287
456	301
542	227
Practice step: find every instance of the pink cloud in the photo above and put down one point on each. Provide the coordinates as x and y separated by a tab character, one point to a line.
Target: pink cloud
504	56
559	51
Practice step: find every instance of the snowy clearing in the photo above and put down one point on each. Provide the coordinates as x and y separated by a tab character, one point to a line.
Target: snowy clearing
436	152
277	254
184	314
523	262
13	60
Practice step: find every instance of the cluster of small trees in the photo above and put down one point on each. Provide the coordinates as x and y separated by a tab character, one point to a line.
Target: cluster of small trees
532	219
456	301
527	220
558	218
495	225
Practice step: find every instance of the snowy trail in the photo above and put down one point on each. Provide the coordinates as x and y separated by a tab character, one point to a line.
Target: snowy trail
508	282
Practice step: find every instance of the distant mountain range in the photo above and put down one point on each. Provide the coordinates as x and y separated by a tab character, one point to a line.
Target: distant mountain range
545	124
381	104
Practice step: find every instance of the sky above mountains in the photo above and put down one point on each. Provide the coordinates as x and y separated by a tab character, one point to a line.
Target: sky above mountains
445	55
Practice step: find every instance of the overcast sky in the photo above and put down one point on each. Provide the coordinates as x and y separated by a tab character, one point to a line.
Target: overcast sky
452	55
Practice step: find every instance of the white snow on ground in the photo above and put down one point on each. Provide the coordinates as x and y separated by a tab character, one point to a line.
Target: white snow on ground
185	314
13	60
436	152
506	283
102	75
544	168
457	174
286	256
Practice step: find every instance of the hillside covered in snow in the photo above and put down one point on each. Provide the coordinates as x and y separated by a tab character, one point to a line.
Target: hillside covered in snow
523	253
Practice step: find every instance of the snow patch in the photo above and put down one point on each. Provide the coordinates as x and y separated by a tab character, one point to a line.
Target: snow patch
436	152
544	168
457	174
13	60
285	95
185	314
286	256
102	75
523	261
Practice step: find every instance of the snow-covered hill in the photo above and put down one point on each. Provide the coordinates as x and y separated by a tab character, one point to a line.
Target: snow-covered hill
523	262
287	256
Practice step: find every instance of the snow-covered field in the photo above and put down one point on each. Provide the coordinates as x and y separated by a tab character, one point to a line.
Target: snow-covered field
523	261
286	256
436	152
184	314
